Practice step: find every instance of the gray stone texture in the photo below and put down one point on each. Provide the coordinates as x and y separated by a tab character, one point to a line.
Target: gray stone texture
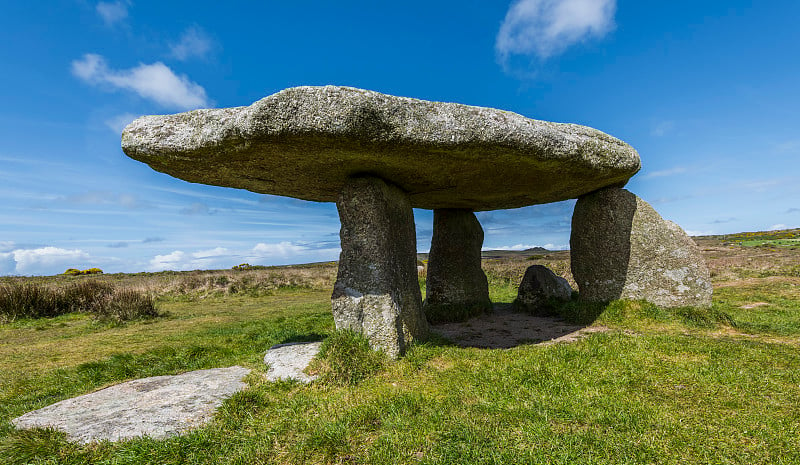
456	286
157	407
621	248
306	142
539	288
289	361
377	292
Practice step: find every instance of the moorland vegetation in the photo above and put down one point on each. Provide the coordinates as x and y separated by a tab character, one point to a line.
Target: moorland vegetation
649	386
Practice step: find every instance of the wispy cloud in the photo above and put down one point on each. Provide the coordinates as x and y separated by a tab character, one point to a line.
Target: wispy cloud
692	232
194	43
118	123
724	220
127	201
261	253
793	210
545	28
667	172
197	208
156	82
777	226
112	12
661	128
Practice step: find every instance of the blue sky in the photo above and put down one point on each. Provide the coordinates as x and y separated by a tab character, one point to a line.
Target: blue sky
707	92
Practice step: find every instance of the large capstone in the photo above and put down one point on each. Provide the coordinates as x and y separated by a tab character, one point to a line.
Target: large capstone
540	289
456	286
621	248
377	292
307	142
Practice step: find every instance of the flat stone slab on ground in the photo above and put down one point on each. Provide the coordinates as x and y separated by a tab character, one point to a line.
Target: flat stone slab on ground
157	407
287	361
306	142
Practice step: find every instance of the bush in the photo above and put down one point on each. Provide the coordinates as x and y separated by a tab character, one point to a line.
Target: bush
127	304
345	358
72	272
93	297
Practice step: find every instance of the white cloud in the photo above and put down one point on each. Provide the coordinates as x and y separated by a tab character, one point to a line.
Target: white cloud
777	226
155	81
112	12
171	261
46	260
118	123
281	249
691	232
528	246
667	172
194	42
548	27
6	246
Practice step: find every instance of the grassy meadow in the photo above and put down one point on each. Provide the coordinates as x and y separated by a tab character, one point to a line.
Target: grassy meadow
653	386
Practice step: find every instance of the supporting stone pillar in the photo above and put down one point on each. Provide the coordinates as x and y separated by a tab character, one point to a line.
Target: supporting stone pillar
621	248
377	290
456	286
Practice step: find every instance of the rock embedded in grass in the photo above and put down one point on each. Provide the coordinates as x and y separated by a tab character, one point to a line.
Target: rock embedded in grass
621	248
158	407
289	361
539	287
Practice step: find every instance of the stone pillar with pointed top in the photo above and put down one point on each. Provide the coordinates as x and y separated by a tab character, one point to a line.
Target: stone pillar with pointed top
456	286
377	291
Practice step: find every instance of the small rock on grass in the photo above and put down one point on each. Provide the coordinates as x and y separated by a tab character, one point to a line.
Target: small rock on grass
288	361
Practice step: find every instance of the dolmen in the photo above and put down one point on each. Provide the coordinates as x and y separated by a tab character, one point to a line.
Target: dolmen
379	156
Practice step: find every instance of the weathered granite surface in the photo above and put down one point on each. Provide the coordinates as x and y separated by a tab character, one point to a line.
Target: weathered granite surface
288	361
456	287
377	292
538	287
157	407
305	142
622	248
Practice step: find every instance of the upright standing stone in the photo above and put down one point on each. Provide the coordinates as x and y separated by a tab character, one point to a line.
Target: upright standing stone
456	286
621	248
377	291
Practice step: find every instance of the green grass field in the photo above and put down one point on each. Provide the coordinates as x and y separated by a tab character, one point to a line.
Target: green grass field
659	386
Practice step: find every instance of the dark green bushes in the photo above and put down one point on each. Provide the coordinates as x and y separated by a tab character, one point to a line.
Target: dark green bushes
102	300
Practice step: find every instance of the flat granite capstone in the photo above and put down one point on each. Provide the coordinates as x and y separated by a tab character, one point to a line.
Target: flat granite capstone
306	142
157	407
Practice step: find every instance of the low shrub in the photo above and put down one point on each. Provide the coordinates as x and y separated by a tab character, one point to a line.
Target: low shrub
127	304
102	300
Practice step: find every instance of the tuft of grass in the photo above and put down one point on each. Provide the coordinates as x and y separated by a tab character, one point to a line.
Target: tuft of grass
346	358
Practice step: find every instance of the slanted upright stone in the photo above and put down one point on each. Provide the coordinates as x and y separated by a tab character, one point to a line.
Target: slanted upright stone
456	286
377	291
539	287
621	248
